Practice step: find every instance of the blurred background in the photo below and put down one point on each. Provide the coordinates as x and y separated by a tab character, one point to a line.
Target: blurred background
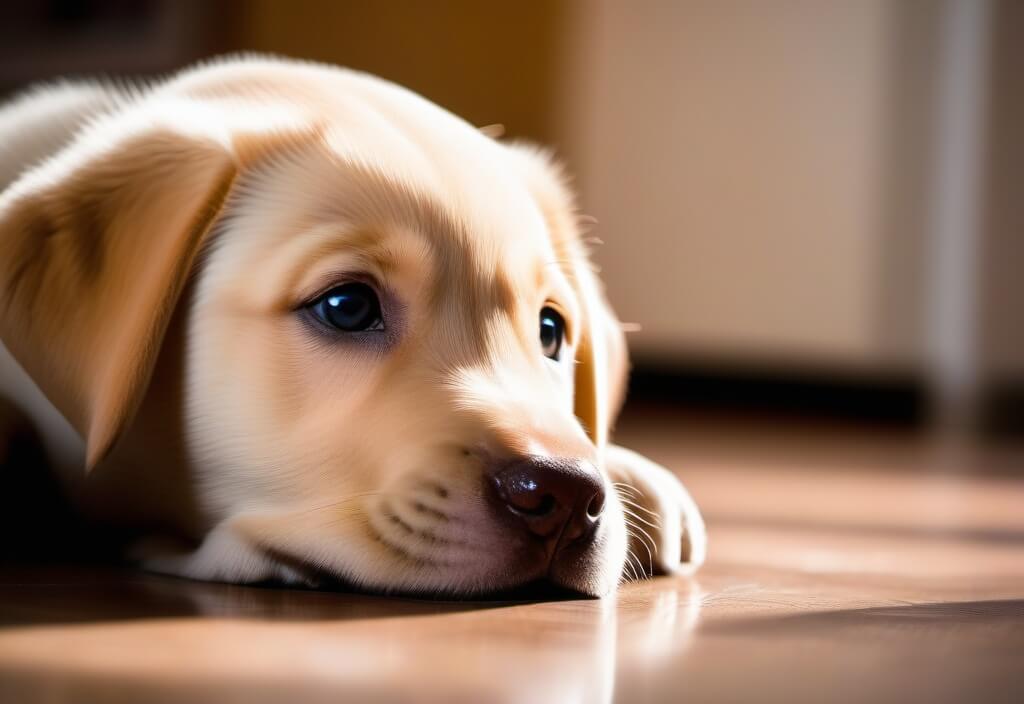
810	209
812	215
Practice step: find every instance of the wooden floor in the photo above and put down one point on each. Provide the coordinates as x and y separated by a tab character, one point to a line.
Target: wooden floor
844	566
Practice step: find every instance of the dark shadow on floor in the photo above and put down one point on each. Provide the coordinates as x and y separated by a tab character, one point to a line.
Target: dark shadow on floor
58	594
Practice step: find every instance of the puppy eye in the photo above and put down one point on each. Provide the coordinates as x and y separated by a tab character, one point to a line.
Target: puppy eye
351	307
552	332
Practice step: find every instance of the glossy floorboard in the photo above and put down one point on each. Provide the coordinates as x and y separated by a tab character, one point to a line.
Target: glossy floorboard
844	566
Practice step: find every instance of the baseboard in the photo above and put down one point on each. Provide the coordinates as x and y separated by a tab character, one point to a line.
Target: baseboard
885	399
1001	411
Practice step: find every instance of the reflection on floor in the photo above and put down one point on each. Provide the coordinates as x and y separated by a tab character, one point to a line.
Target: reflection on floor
844	566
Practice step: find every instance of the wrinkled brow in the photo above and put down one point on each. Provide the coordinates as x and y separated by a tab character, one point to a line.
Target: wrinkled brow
468	283
374	197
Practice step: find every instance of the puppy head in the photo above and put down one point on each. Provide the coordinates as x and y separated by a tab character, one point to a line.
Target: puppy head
399	368
400	376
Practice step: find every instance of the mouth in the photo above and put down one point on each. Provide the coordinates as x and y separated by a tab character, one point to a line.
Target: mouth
529	585
409	545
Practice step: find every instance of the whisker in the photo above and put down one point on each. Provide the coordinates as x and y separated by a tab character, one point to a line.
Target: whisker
645	522
654	514
620	487
639	567
629	550
648	540
634	491
629	563
650	556
636	496
644	539
639	528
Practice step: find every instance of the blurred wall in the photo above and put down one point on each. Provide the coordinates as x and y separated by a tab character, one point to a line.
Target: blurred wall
1001	300
1001	270
756	169
487	62
44	39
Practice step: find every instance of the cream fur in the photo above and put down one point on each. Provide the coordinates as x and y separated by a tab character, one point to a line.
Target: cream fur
279	455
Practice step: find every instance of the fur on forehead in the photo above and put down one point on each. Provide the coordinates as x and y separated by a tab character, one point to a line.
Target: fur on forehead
507	214
549	185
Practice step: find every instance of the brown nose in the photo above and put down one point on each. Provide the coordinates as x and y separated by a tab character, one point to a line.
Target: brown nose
555	498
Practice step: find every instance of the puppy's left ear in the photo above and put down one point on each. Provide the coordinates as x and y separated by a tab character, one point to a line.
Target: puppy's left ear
97	244
602	362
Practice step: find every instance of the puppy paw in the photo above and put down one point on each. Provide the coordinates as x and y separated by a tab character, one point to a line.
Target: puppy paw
666	529
225	555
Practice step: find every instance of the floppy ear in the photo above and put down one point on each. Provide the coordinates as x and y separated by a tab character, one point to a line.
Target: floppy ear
96	246
601	358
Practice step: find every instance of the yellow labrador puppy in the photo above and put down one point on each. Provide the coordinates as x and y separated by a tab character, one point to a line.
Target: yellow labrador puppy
311	325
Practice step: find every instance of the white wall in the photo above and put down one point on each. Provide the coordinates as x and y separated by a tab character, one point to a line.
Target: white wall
740	157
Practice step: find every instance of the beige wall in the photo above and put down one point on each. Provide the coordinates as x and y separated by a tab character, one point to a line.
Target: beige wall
488	62
1002	257
740	159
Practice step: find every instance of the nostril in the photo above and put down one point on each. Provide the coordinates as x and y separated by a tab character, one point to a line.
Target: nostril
551	497
547	504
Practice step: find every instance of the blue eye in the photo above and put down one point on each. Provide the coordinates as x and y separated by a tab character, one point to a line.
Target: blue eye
552	332
350	308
